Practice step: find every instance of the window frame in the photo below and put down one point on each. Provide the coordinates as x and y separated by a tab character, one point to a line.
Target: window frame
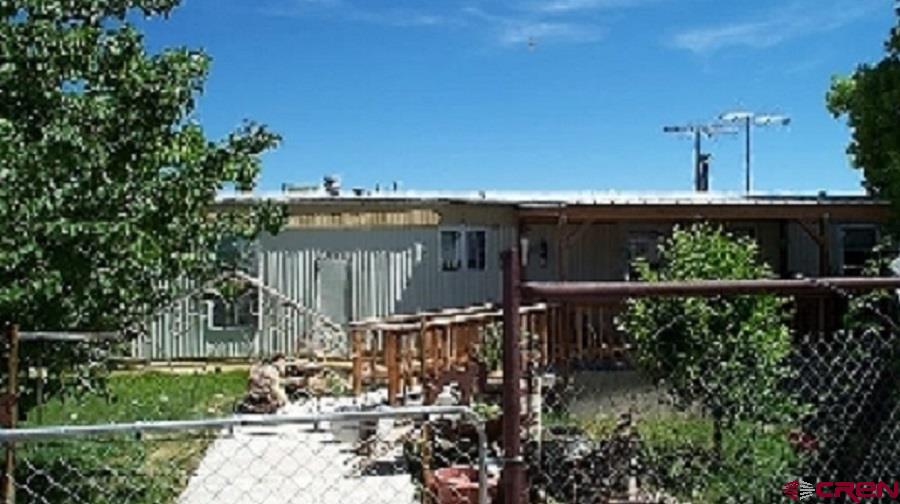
843	243
462	248
480	262
249	301
651	238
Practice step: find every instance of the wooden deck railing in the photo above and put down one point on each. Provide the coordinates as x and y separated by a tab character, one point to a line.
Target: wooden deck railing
418	349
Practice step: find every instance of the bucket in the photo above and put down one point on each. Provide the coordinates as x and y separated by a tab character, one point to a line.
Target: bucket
458	485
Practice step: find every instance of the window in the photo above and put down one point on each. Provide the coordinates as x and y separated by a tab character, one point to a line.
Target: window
743	232
543	253
451	250
463	248
858	242
642	245
233	304
475	249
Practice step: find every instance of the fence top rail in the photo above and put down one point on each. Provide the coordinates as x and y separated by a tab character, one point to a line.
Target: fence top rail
76	431
418	317
70	337
587	291
442	319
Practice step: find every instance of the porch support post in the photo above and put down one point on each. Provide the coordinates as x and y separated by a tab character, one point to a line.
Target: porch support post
513	467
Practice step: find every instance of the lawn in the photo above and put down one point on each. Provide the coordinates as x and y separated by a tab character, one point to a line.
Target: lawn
677	456
125	469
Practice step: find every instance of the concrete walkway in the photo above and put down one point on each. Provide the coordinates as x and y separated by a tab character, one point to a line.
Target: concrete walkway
294	464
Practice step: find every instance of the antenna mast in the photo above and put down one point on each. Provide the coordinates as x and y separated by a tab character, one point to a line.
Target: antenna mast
748	120
701	160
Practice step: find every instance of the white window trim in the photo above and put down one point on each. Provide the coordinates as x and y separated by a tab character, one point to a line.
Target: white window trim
462	248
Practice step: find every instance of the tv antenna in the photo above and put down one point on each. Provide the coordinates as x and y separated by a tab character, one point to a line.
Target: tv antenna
701	160
749	120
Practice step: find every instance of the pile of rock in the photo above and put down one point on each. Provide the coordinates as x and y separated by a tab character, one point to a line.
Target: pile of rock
274	382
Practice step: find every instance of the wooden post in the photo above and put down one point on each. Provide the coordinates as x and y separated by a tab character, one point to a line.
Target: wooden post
566	335
531	320
408	356
544	334
579	333
448	348
427	349
358	348
11	413
558	356
463	347
513	476
393	368
377	347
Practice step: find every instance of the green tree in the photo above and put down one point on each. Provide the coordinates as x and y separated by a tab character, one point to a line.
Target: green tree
725	355
869	98
107	184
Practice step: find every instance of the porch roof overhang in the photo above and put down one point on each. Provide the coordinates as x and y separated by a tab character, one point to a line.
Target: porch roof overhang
860	210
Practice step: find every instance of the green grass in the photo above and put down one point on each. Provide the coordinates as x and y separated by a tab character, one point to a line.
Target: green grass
680	458
125	469
147	396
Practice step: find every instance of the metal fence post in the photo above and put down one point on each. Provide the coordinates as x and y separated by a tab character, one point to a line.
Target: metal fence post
513	466
11	413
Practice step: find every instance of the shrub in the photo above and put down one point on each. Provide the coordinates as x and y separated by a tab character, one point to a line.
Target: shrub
726	356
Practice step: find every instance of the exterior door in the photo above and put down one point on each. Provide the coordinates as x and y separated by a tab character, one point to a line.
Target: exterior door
333	286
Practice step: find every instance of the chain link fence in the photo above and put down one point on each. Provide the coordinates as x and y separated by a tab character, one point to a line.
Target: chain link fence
424	454
655	403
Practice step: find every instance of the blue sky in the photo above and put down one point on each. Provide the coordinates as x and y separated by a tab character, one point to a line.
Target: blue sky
447	94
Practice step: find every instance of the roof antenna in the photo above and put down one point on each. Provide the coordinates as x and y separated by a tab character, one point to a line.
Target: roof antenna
701	160
749	120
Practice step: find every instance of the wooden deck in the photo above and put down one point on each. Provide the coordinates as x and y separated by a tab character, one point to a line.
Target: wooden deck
417	350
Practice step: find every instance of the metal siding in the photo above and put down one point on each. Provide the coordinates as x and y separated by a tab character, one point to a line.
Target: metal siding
392	271
803	252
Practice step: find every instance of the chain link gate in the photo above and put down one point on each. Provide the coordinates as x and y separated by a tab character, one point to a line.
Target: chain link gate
404	455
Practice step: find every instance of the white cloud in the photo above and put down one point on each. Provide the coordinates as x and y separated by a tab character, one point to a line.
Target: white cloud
400	18
511	30
504	26
542	31
345	10
795	20
565	6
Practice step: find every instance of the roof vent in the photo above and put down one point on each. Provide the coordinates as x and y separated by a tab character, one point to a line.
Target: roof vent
289	188
332	185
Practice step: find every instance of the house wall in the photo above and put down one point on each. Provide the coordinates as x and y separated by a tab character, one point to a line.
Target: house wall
600	251
804	251
391	269
392	255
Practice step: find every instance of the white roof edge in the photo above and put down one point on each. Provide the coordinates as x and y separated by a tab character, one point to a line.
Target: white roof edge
541	198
